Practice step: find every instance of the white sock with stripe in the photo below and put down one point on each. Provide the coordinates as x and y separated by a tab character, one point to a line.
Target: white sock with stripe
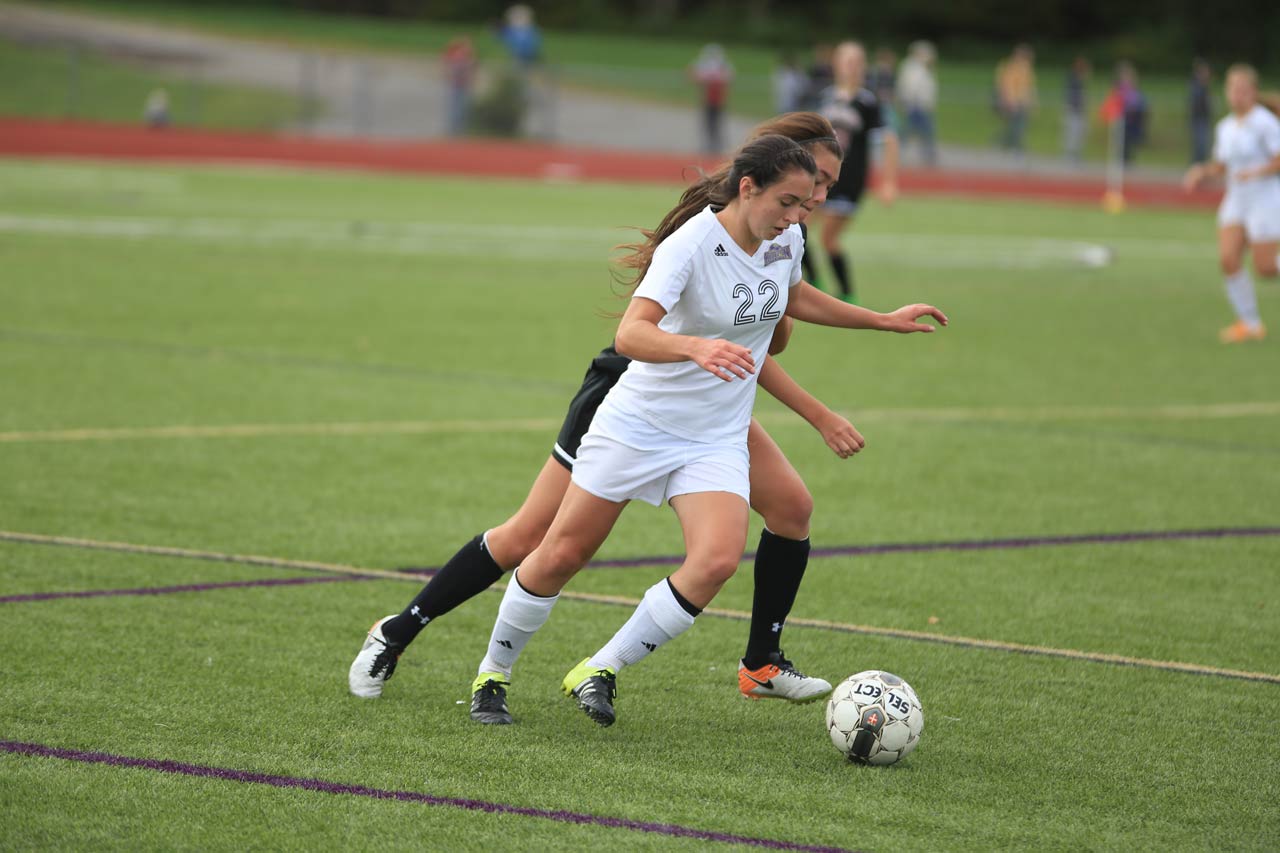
520	615
1243	298
659	619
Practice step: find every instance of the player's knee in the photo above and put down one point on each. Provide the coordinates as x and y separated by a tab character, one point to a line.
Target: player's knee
522	538
789	515
565	556
1230	265
716	567
1267	269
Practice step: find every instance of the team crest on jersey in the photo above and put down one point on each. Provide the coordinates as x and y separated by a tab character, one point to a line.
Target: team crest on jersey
776	253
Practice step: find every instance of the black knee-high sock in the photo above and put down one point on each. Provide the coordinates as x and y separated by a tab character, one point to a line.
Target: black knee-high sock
844	273
780	565
469	572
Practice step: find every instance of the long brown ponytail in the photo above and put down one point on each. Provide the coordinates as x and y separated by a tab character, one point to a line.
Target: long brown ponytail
807	129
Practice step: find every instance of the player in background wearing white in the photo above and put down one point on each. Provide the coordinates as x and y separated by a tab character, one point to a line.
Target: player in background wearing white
778	493
674	427
1246	150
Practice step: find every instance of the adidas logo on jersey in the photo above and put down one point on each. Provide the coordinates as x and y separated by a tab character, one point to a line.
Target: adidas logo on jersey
720	252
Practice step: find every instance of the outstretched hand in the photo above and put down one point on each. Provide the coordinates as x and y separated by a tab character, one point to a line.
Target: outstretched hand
840	435
906	318
1194	177
724	359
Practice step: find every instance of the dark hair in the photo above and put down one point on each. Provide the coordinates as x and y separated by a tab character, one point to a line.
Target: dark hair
791	131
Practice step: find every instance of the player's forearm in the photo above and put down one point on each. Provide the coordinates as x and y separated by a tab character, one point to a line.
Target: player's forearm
788	392
642	340
811	305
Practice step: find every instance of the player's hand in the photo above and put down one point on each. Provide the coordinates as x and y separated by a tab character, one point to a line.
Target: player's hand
887	192
1193	178
1249	174
906	319
840	435
724	359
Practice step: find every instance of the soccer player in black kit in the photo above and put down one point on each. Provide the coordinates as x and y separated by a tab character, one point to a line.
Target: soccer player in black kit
777	493
858	120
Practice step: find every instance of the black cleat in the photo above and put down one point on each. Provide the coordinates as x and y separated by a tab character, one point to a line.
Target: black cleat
595	690
489	700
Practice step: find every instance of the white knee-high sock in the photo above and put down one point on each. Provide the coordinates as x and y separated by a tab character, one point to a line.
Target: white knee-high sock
1243	298
520	615
659	619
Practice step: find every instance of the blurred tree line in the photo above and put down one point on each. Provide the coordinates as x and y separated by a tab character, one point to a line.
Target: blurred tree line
1155	33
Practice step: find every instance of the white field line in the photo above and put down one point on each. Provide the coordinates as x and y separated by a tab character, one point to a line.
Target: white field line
584	242
626	601
1208	411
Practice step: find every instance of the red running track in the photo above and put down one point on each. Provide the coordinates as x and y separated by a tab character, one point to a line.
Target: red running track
493	158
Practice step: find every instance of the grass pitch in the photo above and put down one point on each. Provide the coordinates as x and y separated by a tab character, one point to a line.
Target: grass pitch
370	370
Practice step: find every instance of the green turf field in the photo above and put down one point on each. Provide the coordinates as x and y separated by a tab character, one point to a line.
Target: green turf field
370	370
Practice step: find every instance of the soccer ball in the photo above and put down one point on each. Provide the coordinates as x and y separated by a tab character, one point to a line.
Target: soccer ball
874	717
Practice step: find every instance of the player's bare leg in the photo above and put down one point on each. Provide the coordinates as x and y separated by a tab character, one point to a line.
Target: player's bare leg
579	528
1244	301
715	531
474	568
833	226
780	496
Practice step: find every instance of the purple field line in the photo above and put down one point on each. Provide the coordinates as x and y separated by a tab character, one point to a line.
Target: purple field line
181	769
168	590
979	544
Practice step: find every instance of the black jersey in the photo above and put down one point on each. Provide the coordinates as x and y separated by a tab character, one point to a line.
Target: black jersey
854	120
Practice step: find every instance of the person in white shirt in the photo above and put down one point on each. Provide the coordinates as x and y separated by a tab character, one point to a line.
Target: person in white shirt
713	285
918	95
1246	151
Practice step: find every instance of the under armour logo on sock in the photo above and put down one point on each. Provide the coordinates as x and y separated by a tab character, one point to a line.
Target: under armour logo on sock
418	613
649	646
506	644
777	627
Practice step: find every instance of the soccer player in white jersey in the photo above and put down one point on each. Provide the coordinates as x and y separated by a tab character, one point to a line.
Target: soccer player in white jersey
778	493
1246	150
674	428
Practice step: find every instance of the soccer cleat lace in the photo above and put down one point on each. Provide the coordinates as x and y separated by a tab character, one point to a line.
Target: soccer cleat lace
489	699
779	679
374	664
595	688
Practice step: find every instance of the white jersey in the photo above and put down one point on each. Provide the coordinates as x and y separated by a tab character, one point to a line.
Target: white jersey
710	289
1247	142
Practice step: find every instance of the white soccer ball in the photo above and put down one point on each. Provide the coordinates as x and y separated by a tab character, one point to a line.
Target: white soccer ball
874	717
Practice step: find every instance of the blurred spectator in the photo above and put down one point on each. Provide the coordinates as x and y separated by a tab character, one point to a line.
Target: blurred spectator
882	80
1016	96
918	94
1133	105
1200	110
713	73
521	36
459	60
820	75
156	111
790	85
1075	115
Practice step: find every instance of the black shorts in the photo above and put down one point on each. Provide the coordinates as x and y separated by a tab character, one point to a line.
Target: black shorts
602	375
843	200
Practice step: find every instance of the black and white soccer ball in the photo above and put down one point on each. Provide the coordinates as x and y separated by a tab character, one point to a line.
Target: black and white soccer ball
874	717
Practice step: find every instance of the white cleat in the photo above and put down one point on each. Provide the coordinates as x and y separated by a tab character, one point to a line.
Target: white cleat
375	663
778	679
